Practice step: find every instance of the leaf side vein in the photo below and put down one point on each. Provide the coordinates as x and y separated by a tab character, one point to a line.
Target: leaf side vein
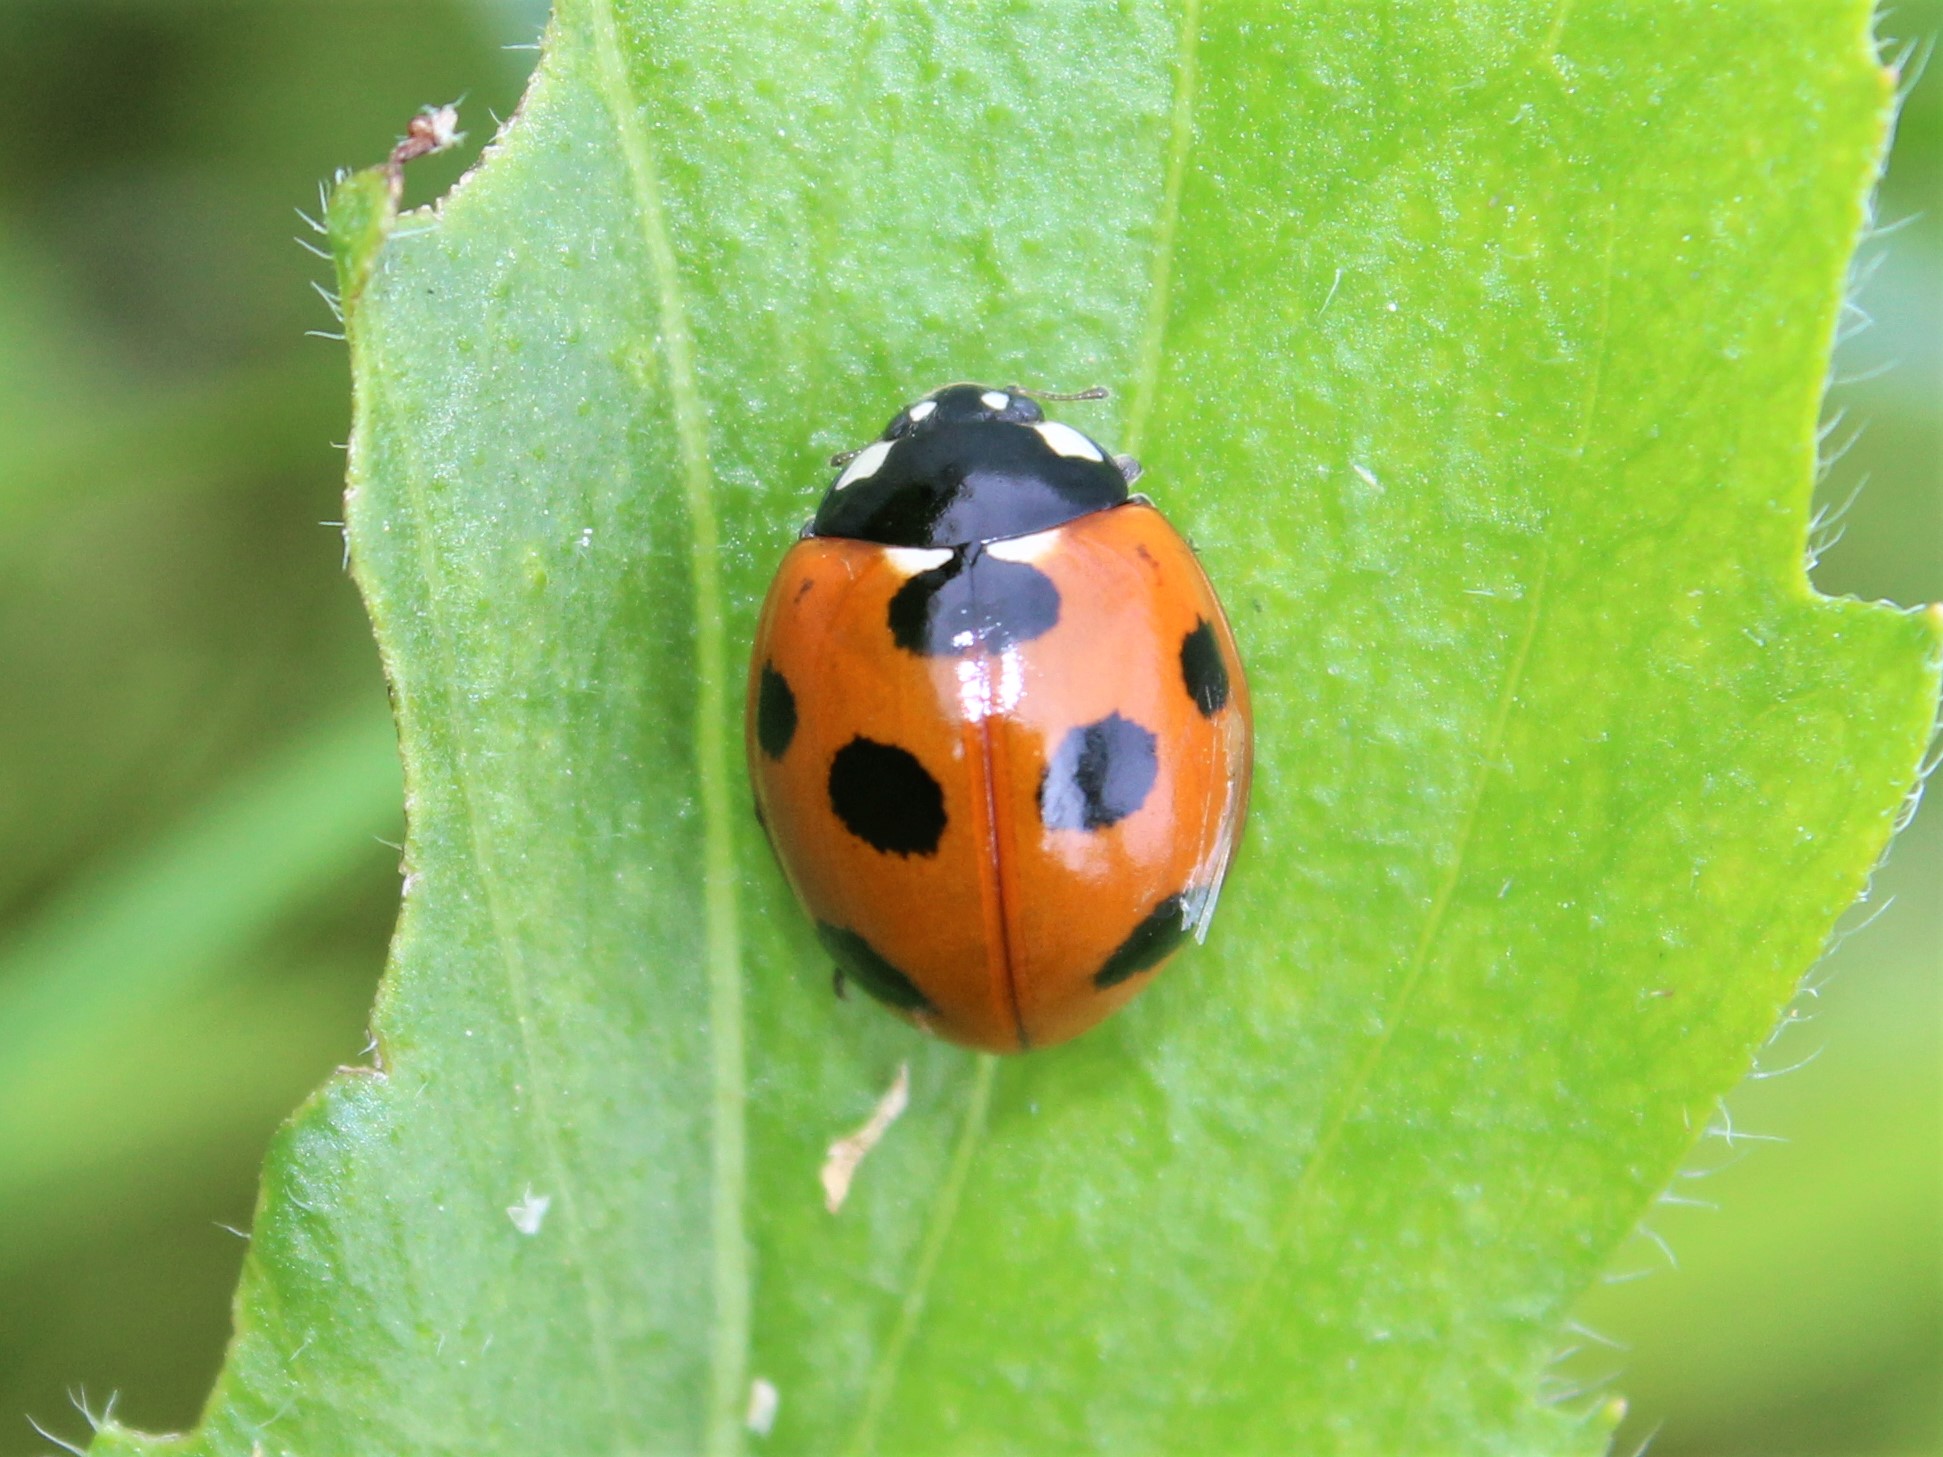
1366	1070
1365	1074
729	1278
1180	145
944	1215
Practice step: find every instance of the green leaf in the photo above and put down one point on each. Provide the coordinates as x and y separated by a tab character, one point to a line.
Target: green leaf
1480	354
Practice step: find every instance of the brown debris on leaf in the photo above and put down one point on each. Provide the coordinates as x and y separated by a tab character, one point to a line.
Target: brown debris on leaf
840	1166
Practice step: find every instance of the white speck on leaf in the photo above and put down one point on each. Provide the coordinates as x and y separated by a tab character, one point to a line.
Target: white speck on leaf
840	1167
763	1401
530	1213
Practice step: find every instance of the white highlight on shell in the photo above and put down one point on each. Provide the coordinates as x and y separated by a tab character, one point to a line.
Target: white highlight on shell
1027	549
1213	868
840	1165
982	694
974	689
866	464
910	560
1065	440
995	400
1011	681
921	410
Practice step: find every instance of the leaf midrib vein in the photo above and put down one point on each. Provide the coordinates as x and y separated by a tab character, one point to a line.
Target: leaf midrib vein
722	956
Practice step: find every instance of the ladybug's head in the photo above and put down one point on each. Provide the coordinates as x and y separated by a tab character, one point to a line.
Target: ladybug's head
960	404
969	463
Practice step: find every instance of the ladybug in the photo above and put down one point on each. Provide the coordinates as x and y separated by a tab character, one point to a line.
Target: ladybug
997	727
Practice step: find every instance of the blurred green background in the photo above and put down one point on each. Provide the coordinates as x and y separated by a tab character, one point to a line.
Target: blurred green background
197	783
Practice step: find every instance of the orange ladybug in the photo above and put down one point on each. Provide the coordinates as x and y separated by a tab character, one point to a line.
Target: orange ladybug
997	726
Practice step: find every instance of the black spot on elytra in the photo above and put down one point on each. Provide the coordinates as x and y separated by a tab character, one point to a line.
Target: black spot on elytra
886	798
1202	670
973	603
775	713
858	960
1101	773
1148	944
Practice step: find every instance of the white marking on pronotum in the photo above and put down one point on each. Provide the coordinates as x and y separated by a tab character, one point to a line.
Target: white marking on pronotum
921	410
1065	440
763	1401
530	1213
910	560
840	1166
866	464
1027	549
995	400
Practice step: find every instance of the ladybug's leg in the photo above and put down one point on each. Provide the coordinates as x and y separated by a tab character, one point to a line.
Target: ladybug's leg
1129	468
839	983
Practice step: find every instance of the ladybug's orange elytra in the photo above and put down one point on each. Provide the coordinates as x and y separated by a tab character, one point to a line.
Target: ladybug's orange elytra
997	727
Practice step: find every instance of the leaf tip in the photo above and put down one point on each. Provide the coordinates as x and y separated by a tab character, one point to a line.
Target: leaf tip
363	205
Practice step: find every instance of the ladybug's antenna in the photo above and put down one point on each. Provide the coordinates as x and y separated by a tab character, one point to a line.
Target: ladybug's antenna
1098	392
844	457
